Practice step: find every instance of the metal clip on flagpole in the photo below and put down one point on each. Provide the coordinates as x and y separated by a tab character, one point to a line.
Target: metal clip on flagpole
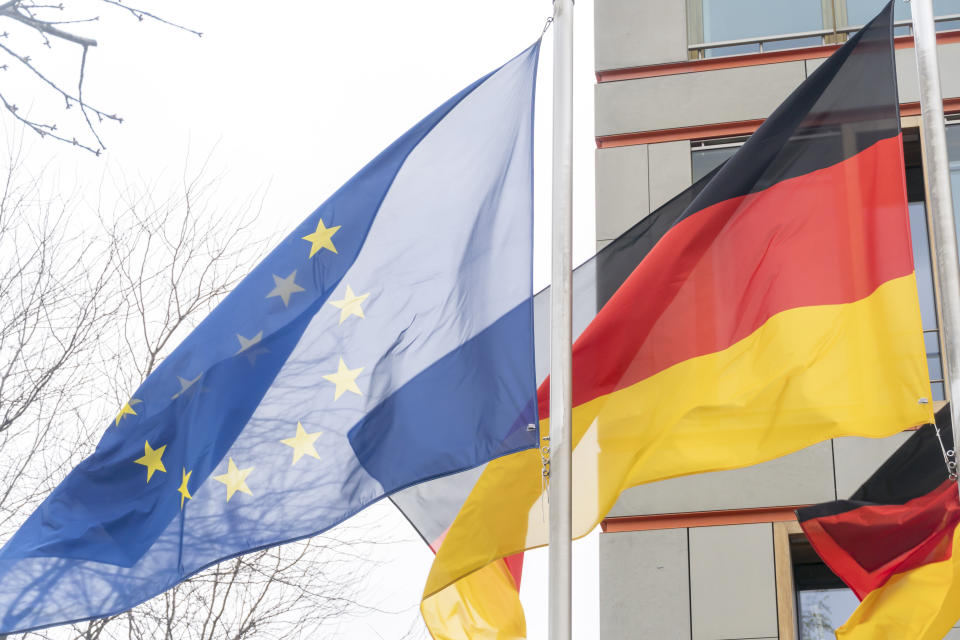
938	182
561	328
949	456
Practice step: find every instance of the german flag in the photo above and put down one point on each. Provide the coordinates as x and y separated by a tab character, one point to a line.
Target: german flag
776	308
894	541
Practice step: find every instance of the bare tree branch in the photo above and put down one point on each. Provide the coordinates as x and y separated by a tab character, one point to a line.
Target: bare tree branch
140	14
19	11
33	15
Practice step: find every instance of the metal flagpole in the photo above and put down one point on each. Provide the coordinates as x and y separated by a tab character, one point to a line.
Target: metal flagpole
938	182
561	331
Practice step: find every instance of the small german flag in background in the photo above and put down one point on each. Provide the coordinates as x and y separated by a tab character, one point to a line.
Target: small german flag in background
893	542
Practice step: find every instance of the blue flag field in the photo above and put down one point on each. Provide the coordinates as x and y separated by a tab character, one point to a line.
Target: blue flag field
386	341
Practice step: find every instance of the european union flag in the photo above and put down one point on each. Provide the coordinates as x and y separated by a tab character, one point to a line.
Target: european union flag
386	341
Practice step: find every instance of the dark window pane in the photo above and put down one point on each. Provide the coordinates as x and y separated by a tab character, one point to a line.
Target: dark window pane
706	160
821	611
928	310
860	12
937	390
932	342
735	19
922	265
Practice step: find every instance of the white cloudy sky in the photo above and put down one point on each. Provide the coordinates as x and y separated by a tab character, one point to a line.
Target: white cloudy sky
291	99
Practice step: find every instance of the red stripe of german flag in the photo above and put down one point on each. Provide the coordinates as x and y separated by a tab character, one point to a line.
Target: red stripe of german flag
811	211
832	236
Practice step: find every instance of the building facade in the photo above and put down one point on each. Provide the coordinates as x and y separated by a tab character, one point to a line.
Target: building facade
681	84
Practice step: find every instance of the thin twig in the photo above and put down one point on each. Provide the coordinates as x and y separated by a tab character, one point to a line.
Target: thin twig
140	13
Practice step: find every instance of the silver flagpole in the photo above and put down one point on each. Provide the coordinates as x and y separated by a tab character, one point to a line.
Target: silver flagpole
561	299
938	182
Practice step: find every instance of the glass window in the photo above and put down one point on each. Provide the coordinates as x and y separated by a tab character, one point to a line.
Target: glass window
922	263
928	308
705	160
820	611
862	11
736	19
823	601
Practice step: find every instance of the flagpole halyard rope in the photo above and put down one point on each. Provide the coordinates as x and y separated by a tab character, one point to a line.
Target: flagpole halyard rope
949	456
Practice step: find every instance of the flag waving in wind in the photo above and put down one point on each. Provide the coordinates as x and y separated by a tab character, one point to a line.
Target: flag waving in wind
775	309
895	542
387	340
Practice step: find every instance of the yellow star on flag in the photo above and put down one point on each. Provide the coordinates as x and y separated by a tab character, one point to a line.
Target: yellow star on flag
127	410
321	238
345	379
182	489
235	479
152	459
302	443
350	305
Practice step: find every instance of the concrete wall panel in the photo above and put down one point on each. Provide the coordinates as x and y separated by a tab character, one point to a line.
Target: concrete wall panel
813	64
949	55
670	170
639	33
622	189
732	582
907	82
644	585
907	85
804	477
856	459
690	99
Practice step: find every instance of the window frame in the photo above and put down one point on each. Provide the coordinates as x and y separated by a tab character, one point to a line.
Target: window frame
835	30
714	143
917	122
827	33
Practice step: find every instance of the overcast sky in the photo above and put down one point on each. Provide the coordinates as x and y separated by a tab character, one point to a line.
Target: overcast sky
290	100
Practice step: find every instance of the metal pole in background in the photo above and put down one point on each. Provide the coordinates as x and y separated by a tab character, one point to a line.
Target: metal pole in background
938	182
561	331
